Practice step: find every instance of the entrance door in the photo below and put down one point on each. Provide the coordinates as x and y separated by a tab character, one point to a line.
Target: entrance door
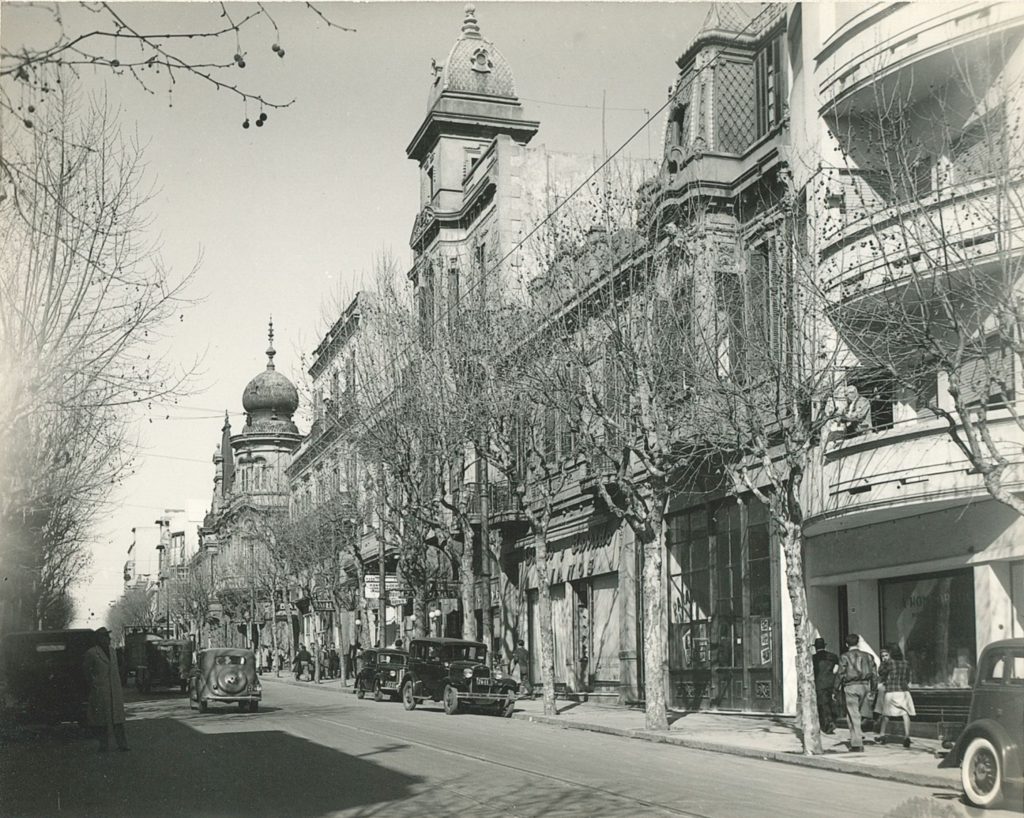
604	629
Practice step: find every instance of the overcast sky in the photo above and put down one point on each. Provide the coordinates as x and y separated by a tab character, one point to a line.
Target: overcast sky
289	215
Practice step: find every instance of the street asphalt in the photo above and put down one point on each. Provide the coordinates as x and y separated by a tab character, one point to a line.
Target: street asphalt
307	753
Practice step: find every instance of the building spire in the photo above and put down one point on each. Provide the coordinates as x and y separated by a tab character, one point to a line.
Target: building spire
270	349
469	25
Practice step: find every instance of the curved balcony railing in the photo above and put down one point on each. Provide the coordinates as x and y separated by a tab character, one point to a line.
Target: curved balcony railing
894	472
877	244
887	38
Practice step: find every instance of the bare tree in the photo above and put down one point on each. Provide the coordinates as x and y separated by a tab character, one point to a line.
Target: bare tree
929	299
136	607
82	300
70	38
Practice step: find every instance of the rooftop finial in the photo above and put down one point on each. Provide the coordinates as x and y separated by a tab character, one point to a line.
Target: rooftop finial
270	349
469	25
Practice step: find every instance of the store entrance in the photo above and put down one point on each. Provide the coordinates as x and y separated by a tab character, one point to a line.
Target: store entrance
722	632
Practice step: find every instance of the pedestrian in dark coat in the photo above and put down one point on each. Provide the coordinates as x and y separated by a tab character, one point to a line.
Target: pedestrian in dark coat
826	663
105	714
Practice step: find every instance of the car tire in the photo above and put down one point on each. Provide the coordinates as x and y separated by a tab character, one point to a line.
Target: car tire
378	694
981	773
451	700
360	693
507	707
408	700
254	707
203	706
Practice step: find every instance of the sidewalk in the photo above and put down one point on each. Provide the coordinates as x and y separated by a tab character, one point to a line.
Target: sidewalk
765	737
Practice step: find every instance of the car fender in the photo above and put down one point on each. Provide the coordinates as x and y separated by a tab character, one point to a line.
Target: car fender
1012	756
417	684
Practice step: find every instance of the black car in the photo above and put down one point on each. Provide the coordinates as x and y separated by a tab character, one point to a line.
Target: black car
44	674
990	750
381	673
454	671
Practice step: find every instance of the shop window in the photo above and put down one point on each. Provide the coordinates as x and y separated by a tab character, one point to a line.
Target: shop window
931	618
689	592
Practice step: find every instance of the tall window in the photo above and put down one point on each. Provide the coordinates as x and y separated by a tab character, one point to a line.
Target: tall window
453	287
768	80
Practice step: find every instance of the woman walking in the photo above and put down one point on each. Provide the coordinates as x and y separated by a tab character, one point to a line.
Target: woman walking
898	703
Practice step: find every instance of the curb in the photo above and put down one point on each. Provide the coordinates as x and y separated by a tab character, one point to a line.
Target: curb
818	762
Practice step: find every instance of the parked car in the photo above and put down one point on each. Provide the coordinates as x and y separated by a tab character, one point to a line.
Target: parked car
381	673
989	750
225	675
454	671
43	674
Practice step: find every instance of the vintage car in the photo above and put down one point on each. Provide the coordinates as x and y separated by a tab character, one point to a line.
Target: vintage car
167	664
990	750
225	675
454	671
381	672
43	674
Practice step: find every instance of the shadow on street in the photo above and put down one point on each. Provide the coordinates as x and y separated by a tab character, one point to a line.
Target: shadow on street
173	769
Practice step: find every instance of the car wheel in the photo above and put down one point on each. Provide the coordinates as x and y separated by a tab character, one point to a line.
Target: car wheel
359	691
507	707
408	700
451	700
254	706
378	694
203	706
981	774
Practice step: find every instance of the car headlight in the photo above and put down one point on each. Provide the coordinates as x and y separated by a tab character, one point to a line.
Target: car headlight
468	673
498	674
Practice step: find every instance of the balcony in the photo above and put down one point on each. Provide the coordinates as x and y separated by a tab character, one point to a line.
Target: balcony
874	244
503	505
907	469
918	42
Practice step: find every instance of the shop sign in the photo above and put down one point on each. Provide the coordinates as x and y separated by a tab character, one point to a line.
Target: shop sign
587	555
766	640
372	585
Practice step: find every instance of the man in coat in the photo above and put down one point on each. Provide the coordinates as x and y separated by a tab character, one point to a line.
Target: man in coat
106	701
826	663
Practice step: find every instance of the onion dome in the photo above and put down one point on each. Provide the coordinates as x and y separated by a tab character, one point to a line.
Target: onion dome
474	66
270	393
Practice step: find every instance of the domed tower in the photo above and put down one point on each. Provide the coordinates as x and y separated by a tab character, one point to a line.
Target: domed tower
472	100
262	450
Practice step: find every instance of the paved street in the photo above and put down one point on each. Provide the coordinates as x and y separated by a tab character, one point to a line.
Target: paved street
313	753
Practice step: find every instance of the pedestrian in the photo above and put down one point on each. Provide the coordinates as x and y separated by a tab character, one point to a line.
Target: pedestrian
334	662
398	643
857	678
105	713
350	659
897	701
520	667
303	660
885	662
825	663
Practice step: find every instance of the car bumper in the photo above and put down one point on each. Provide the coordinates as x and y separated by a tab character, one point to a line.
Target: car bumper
486	697
237	697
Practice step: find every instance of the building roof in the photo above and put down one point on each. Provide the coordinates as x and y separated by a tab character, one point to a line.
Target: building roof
270	399
474	66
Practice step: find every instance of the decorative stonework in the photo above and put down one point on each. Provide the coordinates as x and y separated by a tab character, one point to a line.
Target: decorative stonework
481	61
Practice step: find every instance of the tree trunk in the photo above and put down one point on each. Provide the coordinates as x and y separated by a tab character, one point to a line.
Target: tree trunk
807	704
655	652
544	626
467	585
419	608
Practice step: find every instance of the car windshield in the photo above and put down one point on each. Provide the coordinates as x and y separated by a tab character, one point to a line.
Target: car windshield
390	659
230	660
472	653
